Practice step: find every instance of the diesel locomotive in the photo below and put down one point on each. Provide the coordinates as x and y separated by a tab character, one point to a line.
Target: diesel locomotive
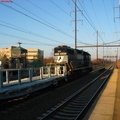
76	61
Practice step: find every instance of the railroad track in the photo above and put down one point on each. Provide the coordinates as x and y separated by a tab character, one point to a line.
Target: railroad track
76	106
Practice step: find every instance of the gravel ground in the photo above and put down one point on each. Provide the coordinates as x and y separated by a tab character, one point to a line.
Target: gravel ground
31	109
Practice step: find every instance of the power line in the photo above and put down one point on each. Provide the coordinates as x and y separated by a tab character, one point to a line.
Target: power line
96	16
48	13
107	14
60	31
13	36
87	13
31	18
59	7
88	19
29	32
68	3
39	17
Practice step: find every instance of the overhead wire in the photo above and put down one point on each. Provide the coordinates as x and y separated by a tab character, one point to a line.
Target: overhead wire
88	19
107	16
86	16
50	25
59	8
96	16
22	38
60	31
67	14
56	28
28	32
115	25
81	11
31	18
48	13
68	2
113	42
113	6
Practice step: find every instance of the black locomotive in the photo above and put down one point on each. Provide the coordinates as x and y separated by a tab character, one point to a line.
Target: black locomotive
75	60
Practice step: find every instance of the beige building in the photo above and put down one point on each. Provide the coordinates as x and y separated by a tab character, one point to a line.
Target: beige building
6	51
31	54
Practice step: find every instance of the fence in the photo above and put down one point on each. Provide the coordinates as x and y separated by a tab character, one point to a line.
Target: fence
19	76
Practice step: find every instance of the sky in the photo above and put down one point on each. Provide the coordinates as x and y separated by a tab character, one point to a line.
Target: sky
45	24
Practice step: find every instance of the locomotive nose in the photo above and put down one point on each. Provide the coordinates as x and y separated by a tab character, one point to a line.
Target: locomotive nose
60	59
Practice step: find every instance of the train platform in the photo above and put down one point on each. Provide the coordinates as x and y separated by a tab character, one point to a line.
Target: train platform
13	89
19	82
108	105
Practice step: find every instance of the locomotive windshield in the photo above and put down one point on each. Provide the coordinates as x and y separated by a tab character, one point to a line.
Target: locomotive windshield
63	51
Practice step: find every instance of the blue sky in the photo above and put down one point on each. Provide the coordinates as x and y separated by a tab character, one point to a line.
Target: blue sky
45	24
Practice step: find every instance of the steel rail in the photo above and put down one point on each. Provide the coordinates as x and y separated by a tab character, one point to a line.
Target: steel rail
95	94
84	107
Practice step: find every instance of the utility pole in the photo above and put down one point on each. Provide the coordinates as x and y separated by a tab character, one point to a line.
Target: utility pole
117	55
75	24
117	48
103	51
75	20
119	11
97	48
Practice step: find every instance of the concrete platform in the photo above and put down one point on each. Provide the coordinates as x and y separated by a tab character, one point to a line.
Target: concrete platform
15	90
107	105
